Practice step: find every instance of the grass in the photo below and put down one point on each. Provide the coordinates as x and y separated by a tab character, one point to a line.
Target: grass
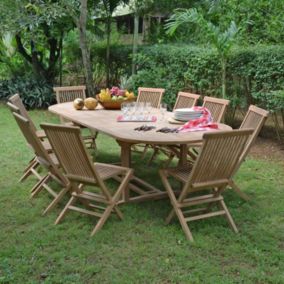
140	249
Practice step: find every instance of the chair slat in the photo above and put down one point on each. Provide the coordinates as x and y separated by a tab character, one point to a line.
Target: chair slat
186	100
216	106
151	95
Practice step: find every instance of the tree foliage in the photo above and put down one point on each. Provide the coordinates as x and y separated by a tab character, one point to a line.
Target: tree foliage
38	29
221	40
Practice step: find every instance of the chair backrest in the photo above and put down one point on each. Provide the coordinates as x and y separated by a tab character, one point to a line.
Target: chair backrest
216	106
219	156
151	95
254	119
13	108
16	101
71	152
186	100
69	93
33	140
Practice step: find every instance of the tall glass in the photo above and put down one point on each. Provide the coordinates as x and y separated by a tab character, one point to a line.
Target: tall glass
163	110
148	110
125	110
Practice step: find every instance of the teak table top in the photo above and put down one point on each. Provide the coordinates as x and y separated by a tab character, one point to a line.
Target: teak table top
105	121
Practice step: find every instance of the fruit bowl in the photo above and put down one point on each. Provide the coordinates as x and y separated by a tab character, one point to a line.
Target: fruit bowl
115	104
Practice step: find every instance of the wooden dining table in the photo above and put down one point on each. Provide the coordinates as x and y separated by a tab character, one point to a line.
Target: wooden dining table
105	121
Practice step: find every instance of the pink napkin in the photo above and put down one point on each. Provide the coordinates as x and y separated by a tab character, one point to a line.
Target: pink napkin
199	124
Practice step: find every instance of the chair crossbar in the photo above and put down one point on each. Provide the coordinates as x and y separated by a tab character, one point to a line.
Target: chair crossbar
204	216
200	201
91	196
85	211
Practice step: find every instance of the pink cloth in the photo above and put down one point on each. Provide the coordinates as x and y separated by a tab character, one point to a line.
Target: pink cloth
199	124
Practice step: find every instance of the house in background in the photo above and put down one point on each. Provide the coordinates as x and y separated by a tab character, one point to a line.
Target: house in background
124	17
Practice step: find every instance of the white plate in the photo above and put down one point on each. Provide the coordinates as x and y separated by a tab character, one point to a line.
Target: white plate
187	111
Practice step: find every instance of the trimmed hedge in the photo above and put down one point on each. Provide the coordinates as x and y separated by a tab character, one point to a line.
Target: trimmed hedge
258	69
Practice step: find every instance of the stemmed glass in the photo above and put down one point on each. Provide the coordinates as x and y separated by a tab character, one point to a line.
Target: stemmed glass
132	111
163	110
148	110
125	110
141	109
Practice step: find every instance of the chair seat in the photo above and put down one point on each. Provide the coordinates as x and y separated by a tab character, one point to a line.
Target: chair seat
180	173
106	171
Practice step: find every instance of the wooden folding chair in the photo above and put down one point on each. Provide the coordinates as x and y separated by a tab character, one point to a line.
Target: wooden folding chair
16	101
216	106
184	100
217	162
79	169
150	95
254	119
31	168
69	94
46	160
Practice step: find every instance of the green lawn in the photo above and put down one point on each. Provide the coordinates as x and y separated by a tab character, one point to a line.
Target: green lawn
139	249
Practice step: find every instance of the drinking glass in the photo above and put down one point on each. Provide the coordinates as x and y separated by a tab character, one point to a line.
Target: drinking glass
148	110
125	109
132	111
163	110
141	109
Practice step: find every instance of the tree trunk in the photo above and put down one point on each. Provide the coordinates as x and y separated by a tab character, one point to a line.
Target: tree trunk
61	59
108	30
223	68
36	60
82	23
135	42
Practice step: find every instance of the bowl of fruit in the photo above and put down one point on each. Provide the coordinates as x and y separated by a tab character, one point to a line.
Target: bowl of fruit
114	97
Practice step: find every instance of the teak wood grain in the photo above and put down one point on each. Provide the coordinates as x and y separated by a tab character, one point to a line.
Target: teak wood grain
105	121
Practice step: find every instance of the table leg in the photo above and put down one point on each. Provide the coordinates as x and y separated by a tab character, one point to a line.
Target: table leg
125	154
125	158
143	189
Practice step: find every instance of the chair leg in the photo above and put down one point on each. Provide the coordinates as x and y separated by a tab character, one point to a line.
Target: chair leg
183	224
114	201
154	155
39	185
29	170
171	157
176	210
118	212
229	217
63	212
170	217
103	219
55	200
145	151
238	191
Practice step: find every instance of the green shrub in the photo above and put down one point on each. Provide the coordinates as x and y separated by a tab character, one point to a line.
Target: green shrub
272	101
197	69
34	93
